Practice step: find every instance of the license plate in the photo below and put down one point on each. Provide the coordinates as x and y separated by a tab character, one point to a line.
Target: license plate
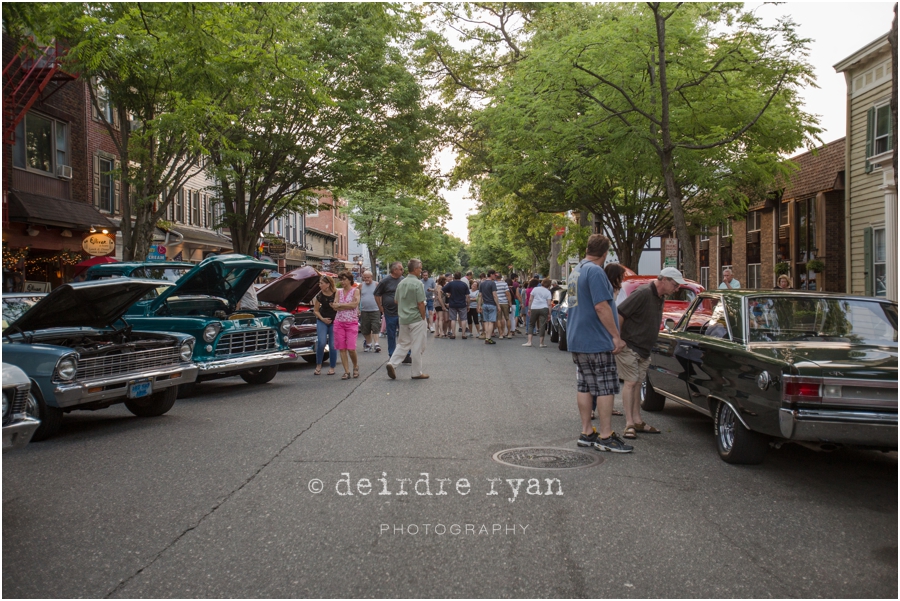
140	388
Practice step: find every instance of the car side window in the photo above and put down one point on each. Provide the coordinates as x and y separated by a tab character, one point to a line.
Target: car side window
716	325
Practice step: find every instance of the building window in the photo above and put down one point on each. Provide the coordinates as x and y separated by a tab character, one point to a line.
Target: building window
879	256
207	209
704	233
882	129
753	275
106	107
41	144
314	212
195	209
725	229
704	277
106	200
754	221
179	205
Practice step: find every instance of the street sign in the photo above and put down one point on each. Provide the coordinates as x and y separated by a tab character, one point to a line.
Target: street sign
670	253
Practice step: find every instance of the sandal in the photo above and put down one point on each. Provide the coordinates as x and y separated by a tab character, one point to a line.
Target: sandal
346	376
617	412
356	372
330	372
318	371
629	433
645	429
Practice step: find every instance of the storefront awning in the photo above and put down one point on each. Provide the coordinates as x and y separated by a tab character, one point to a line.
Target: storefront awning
45	210
198	236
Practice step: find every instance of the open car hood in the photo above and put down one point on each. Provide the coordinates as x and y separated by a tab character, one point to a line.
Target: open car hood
294	288
224	276
83	304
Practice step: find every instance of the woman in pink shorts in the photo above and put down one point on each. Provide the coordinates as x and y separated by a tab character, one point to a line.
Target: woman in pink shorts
346	323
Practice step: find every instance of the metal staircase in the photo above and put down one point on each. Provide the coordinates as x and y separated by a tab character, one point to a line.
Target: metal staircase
25	80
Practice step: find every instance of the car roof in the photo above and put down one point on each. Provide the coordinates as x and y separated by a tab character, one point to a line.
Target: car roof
778	292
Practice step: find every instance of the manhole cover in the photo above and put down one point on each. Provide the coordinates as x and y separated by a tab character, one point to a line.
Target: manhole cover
547	458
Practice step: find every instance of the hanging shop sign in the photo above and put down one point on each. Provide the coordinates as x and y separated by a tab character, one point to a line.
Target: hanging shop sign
99	245
157	253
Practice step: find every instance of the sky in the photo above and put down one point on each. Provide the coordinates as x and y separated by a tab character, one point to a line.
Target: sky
837	30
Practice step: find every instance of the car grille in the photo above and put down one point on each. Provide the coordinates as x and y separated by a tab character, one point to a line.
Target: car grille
138	361
20	398
252	341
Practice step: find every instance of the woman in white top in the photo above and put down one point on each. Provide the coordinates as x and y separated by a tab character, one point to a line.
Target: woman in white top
539	310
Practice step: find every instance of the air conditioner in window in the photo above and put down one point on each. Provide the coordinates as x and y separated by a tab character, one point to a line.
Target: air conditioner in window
64	171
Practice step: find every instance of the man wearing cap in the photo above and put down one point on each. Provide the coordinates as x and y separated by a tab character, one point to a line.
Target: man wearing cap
640	315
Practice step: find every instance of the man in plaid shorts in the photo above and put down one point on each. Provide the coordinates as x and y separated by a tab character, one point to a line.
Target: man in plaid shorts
592	333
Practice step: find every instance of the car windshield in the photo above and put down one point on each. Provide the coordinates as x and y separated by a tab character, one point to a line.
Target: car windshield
170	274
782	319
15	307
683	294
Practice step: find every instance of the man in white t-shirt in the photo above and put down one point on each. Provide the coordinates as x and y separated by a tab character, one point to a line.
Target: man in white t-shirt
539	310
728	280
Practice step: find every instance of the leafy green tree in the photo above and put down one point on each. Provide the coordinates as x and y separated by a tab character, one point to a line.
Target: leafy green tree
397	224
340	109
710	89
160	66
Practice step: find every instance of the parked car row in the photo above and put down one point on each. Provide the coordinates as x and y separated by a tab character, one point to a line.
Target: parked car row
120	339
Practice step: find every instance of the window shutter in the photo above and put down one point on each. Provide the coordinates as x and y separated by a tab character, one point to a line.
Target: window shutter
94	113
870	137
117	125
96	173
869	269
117	207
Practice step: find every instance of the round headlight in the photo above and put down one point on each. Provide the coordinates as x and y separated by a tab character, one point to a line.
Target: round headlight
286	324
211	331
66	368
5	404
186	351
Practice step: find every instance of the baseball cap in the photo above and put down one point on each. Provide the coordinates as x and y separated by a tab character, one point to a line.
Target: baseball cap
672	273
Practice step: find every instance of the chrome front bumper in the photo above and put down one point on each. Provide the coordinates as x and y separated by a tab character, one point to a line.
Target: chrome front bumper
17	435
303	345
237	364
866	428
101	389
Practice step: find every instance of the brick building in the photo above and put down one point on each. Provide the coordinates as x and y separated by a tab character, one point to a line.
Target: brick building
48	203
327	234
801	220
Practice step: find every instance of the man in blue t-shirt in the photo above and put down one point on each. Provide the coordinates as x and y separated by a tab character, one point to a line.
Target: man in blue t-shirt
592	334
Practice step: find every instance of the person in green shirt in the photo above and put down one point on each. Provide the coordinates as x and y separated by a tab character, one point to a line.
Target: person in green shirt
413	334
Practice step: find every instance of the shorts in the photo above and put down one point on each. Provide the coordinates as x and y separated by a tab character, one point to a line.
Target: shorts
456	314
503	311
369	322
597	374
631	366
345	335
473	316
429	304
489	313
438	309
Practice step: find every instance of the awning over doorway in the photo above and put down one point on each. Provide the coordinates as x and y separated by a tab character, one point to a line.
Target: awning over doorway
45	210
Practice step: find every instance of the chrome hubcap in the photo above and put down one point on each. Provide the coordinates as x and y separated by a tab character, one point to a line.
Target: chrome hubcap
726	427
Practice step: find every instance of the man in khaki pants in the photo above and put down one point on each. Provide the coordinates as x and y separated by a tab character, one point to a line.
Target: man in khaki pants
639	317
410	297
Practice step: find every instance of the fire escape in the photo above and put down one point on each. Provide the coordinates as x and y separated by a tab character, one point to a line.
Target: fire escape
25	81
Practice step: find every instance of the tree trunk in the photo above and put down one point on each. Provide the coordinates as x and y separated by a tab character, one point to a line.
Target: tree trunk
555	268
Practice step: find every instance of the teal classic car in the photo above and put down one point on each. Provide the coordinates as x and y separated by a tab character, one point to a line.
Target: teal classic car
80	353
782	366
170	271
204	303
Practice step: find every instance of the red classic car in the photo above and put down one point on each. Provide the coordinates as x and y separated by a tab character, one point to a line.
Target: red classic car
676	304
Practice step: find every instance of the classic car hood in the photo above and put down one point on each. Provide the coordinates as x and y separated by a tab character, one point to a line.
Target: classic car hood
296	287
225	276
83	304
835	360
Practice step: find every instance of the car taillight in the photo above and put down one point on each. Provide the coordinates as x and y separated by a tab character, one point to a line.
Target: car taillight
802	390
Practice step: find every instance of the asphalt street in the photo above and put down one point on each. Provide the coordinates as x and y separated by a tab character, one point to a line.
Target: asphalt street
241	491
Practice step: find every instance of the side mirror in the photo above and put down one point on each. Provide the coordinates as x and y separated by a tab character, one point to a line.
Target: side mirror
669	325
